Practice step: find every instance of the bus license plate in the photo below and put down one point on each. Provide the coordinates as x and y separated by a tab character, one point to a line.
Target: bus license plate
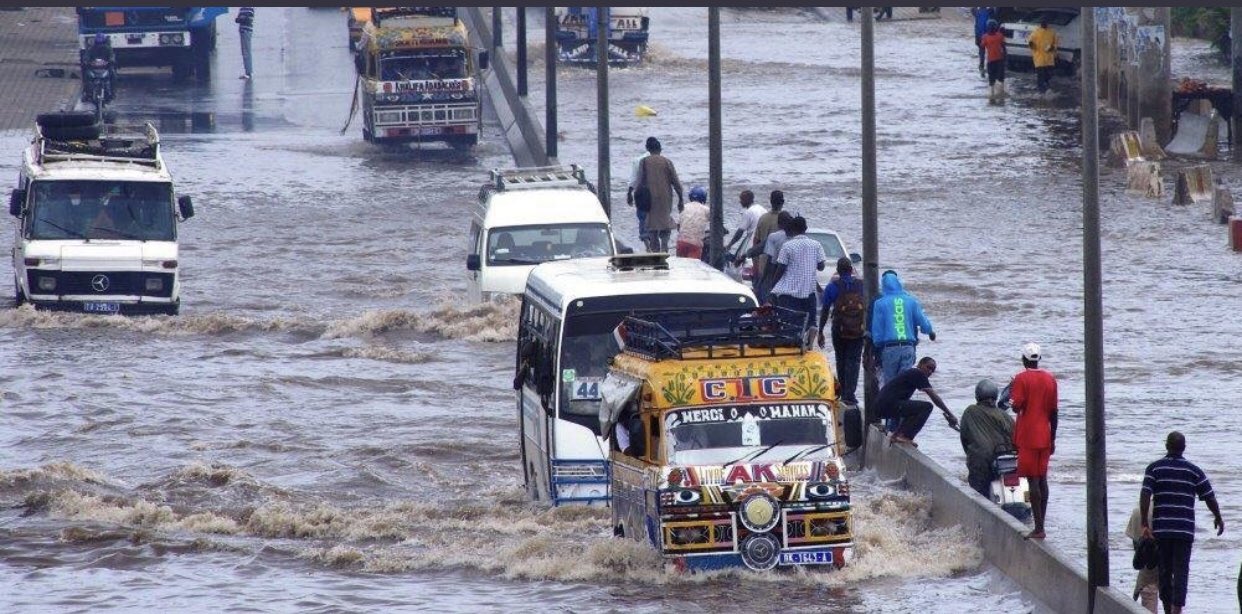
96	307
806	558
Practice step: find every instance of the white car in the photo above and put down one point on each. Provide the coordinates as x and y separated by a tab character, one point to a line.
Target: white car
1063	20
834	248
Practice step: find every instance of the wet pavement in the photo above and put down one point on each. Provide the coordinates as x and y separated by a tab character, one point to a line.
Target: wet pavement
326	427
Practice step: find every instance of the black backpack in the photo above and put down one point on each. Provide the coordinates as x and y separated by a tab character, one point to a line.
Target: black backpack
849	311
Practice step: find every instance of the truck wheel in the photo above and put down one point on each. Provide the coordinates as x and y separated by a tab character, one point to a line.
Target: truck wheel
853	427
19	299
366	136
202	62
174	309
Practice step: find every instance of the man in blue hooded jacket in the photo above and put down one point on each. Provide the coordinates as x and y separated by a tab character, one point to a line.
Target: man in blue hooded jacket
896	319
982	15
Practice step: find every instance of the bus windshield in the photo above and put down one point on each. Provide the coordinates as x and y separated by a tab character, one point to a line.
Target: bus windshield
425	66
718	434
128	210
526	245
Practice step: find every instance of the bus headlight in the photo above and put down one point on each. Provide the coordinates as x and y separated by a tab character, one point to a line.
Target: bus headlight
154	284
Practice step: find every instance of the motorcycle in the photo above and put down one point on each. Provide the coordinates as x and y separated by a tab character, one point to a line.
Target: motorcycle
1008	490
99	85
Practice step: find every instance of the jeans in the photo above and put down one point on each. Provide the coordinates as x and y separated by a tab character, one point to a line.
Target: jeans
1174	569
1043	78
982	54
657	240
805	304
642	225
849	361
245	49
893	360
910	416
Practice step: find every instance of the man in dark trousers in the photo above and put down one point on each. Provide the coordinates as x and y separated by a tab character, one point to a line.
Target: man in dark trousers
1034	397
245	30
894	401
1173	483
844	300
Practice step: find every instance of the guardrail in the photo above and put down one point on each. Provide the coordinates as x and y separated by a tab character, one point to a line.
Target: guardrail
1042	571
523	132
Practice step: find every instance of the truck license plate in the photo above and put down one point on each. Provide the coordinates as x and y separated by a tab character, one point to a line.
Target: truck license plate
806	558
97	307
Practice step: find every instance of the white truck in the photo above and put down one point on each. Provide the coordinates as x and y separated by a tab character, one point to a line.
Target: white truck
97	220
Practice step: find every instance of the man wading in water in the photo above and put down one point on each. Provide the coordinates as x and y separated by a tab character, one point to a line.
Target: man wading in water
1034	397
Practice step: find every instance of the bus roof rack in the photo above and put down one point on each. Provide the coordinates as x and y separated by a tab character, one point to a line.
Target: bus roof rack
379	14
116	145
629	262
539	177
740	331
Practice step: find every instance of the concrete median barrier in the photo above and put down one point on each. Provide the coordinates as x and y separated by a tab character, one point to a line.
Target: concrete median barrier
1042	571
1194	185
1125	148
1144	179
523	132
1196	137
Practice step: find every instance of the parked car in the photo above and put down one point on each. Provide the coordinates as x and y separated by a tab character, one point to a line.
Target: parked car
834	248
1063	20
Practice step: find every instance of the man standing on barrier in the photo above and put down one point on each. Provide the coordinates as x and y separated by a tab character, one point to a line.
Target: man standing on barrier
1034	398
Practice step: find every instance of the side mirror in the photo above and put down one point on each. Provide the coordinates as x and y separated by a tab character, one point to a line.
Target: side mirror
855	258
17	202
484	59
186	206
474	263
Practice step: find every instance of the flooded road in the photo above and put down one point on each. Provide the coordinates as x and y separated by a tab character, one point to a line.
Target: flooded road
326	427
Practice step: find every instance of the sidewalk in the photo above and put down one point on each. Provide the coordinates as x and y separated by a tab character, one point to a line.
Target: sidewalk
31	39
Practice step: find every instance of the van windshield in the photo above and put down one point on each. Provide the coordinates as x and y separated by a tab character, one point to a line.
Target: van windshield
526	245
128	210
722	433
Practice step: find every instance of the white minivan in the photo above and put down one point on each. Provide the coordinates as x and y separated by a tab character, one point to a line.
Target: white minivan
529	216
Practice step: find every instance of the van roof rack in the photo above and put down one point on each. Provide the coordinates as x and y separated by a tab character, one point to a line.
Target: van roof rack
539	177
743	332
141	148
629	262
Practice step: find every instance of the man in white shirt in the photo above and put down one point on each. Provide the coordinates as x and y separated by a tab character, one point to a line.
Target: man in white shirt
799	258
751	212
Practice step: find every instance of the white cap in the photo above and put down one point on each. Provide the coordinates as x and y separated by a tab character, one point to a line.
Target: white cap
1030	351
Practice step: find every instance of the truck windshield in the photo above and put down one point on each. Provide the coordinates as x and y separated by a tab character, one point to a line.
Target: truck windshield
518	245
425	66
720	433
133	17
126	210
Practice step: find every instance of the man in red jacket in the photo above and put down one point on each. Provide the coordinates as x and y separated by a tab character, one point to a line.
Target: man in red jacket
1034	398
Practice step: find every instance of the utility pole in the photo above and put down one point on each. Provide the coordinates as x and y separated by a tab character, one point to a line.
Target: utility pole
549	61
497	44
604	187
1235	34
870	222
521	51
1093	324
715	158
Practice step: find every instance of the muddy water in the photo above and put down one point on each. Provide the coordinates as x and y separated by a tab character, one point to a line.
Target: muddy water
327	427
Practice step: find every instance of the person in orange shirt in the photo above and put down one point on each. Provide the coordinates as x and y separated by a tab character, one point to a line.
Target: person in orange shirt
1043	43
993	45
1034	398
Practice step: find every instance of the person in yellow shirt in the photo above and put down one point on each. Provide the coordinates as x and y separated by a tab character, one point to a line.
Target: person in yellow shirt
1043	43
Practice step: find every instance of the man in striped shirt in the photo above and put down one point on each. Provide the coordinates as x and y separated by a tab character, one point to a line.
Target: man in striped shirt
1173	482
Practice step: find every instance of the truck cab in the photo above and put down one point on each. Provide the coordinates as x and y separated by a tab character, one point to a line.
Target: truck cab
180	37
97	222
419	80
529	216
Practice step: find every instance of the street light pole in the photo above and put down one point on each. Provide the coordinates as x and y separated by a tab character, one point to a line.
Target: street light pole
521	51
715	147
870	222
1235	34
549	56
1093	322
497	43
604	187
